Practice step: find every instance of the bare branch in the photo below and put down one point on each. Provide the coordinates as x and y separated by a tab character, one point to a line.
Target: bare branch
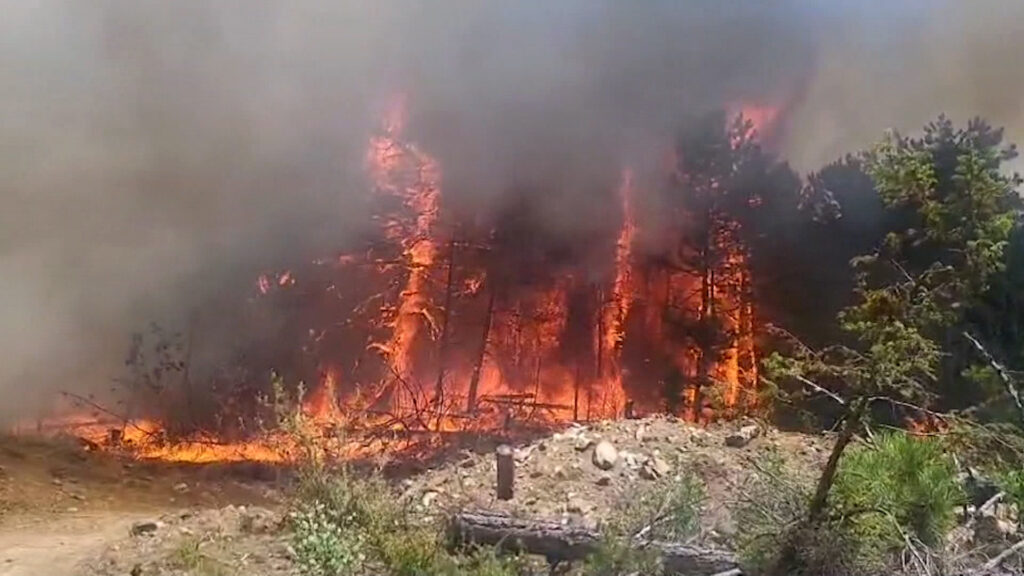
1008	382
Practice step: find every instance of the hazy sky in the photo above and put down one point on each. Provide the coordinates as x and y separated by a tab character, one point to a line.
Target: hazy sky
154	154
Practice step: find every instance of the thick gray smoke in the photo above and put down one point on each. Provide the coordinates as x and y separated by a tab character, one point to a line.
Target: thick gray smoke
157	154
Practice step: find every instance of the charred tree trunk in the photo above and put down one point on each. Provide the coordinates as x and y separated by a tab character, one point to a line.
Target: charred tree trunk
707	311
745	346
474	381
442	354
506	466
560	543
576	394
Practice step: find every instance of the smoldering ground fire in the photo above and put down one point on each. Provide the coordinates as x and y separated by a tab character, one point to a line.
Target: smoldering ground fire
201	149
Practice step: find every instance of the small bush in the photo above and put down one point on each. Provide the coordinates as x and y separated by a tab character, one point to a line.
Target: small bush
615	557
669	510
1011	482
327	541
774	501
899	487
190	558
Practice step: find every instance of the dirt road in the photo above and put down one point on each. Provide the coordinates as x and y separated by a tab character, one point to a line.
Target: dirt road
59	546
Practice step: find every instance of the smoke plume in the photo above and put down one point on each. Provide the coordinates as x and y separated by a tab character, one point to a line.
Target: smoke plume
159	155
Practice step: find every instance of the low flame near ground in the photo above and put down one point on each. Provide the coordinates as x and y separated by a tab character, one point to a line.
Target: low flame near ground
457	342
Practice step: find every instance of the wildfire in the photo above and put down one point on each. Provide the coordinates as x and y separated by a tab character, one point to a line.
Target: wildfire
763	117
461	347
389	157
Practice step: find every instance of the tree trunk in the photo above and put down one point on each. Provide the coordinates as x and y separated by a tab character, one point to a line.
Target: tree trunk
474	381
745	346
818	505
560	543
816	509
442	354
506	466
707	311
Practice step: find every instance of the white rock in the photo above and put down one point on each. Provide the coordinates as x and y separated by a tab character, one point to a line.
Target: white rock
582	443
743	436
655	468
605	455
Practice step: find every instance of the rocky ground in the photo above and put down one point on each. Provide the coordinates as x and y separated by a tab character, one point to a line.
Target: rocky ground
582	474
66	512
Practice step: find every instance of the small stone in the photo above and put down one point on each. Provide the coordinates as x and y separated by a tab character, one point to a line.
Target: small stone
631	460
576	506
428	499
57	482
655	468
582	443
147	527
536	474
181	488
559	473
542	446
72	510
640	434
604	480
605	455
742	437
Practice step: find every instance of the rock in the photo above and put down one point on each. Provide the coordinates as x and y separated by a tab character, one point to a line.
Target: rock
605	455
428	499
72	510
146	527
655	468
181	488
256	520
742	437
582	443
136	570
631	460
990	529
640	434
536	474
604	480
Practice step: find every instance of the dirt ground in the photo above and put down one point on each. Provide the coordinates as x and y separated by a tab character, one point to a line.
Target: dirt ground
65	511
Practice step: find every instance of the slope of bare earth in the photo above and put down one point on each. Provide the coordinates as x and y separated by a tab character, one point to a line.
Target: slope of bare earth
62	507
63	511
556	476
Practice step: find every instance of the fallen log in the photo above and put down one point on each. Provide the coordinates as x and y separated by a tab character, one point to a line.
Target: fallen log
560	543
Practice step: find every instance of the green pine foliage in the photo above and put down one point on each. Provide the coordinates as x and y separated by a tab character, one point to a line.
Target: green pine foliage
896	488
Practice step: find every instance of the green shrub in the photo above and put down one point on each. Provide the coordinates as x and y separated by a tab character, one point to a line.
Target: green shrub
1011	481
899	486
615	557
667	510
773	501
327	541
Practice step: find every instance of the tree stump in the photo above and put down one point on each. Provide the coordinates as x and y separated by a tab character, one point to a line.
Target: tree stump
506	471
